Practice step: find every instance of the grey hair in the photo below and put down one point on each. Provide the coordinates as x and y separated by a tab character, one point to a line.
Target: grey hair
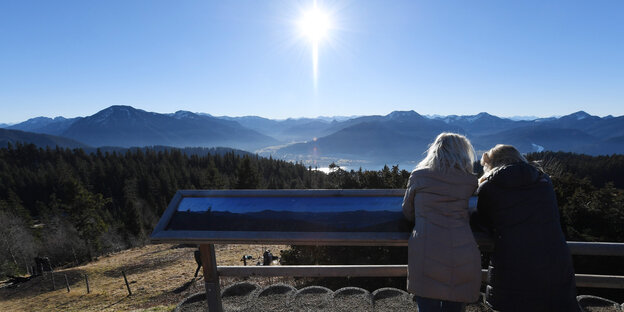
449	151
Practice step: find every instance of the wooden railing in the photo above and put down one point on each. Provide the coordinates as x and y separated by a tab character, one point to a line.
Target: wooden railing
212	272
576	248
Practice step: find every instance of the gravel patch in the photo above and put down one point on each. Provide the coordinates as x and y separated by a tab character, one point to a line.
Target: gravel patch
249	297
392	299
351	299
239	296
193	303
597	304
312	298
274	298
477	307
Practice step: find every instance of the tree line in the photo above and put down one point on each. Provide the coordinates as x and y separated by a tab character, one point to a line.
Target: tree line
71	205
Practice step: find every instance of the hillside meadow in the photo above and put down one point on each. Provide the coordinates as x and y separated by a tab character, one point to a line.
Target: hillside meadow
160	276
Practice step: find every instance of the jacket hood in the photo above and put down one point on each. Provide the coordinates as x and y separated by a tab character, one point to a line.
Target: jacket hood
515	175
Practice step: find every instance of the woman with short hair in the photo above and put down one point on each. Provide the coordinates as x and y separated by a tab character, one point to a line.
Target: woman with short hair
531	267
444	263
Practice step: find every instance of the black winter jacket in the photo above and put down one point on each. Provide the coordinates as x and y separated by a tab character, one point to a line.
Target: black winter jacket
531	267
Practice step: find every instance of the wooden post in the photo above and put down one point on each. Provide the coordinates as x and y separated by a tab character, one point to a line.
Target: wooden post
67	282
75	258
127	285
87	282
53	283
211	277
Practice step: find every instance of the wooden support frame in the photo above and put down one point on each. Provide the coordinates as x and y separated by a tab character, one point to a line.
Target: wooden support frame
211	277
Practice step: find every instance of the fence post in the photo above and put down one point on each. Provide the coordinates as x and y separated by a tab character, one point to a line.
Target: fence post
127	285
67	282
87	281
53	282
211	277
52	275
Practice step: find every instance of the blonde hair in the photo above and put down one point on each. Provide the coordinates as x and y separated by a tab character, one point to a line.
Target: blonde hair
499	156
449	150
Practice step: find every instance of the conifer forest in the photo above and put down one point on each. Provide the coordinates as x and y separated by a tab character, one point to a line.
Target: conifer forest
72	206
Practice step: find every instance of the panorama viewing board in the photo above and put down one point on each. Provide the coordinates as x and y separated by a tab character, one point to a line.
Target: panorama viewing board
306	217
328	217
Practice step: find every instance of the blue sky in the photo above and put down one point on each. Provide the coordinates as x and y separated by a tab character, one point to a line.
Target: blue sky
235	58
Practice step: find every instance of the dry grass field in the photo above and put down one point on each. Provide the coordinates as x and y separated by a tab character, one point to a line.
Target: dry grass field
160	276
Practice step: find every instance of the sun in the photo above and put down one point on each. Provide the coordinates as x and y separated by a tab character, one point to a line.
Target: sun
314	25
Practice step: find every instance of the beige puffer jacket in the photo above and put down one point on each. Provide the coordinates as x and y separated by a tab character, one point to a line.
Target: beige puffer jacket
443	258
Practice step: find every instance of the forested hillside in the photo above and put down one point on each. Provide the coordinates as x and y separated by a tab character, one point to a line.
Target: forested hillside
72	206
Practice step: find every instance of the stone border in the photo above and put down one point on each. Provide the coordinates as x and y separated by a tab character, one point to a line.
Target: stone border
274	289
383	293
200	296
400	299
590	300
359	294
324	293
277	288
246	291
250	292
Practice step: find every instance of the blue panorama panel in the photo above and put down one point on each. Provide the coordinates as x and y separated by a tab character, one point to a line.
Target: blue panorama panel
291	214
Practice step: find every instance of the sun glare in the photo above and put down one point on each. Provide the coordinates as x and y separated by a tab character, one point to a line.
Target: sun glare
314	25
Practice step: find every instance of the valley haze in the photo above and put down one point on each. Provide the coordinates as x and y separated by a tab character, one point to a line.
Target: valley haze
370	142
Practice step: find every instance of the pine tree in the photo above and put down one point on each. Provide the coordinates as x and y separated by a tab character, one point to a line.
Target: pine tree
247	176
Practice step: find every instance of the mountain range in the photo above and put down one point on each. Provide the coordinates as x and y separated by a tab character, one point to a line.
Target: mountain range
400	137
125	126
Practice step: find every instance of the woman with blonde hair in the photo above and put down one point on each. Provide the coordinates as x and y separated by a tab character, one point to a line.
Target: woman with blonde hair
531	267
497	157
444	263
